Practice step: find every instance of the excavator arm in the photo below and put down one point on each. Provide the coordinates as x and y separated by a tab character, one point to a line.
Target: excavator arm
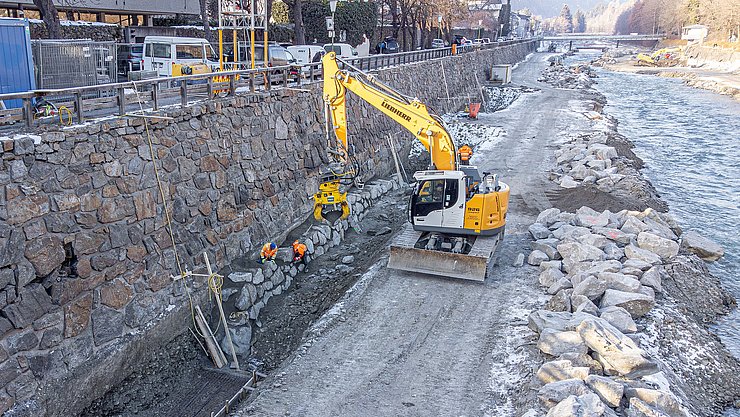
330	202
409	113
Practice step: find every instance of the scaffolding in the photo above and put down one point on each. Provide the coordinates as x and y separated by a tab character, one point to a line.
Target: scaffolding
249	16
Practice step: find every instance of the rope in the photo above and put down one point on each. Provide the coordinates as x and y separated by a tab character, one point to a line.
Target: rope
168	219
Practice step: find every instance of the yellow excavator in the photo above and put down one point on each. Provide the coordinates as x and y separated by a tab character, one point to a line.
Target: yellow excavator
666	57
457	217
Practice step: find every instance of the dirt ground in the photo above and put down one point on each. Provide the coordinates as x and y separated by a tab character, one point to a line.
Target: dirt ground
413	345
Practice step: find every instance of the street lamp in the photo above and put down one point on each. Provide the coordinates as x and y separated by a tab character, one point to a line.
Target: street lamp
330	21
439	25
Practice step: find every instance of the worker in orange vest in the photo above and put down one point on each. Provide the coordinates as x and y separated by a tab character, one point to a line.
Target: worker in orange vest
299	251
268	252
465	152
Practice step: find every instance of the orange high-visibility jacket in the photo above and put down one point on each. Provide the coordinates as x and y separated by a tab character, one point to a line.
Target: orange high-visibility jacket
299	249
266	252
465	152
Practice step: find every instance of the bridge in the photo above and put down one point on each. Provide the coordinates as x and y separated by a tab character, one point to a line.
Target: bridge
592	39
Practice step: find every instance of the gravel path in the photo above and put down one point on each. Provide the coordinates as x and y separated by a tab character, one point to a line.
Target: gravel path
409	344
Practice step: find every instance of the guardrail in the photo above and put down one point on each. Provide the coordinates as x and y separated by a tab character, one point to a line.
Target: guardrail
120	99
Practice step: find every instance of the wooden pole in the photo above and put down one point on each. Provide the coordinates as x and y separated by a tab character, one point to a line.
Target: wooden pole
223	316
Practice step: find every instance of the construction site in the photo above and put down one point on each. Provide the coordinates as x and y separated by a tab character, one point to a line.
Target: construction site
459	231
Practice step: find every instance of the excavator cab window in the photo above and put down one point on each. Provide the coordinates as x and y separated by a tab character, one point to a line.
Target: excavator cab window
434	195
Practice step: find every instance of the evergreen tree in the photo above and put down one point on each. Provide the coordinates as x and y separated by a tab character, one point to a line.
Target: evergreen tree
566	19
580	22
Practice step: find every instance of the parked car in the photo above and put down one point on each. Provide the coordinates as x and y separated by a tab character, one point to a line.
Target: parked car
389	45
438	43
343	50
130	56
161	53
482	41
307	54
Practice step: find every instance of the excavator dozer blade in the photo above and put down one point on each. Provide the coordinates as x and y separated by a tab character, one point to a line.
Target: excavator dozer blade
472	266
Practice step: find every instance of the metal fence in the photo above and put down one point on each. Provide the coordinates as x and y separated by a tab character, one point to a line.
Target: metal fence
81	103
73	63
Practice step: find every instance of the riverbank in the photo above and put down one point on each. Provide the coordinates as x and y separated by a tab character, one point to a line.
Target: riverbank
699	72
626	288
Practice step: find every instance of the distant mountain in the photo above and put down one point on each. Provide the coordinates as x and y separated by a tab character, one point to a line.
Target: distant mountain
551	8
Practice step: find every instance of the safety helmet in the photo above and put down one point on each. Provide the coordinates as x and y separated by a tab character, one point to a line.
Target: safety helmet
296	242
273	245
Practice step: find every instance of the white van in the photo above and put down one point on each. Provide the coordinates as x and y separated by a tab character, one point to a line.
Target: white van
161	52
307	54
343	50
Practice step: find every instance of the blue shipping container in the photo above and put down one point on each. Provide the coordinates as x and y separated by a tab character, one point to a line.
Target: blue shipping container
16	63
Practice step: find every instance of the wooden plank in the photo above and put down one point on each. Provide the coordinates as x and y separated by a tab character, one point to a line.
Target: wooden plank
216	354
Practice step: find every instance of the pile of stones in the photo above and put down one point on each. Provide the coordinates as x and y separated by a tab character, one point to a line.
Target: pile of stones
588	159
577	76
603	271
251	290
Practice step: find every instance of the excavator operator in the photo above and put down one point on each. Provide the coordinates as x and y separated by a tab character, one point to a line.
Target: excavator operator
465	152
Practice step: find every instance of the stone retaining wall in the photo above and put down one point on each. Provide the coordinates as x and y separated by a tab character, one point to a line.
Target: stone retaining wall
85	257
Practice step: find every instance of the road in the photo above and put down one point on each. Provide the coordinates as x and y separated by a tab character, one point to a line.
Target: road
406	344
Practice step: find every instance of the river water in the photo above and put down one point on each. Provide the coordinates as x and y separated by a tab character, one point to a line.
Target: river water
690	142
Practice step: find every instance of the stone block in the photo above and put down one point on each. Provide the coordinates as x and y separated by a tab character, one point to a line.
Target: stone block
555	343
77	315
537	257
107	324
560	370
555	392
539	231
33	302
21	341
116	294
663	247
615	350
703	247
634	252
637	304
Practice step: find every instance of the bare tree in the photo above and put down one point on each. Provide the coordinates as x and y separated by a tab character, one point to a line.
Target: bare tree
296	16
205	19
50	16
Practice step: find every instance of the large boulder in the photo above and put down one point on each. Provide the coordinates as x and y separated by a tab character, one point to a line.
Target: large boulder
559	370
663	401
548	216
554	392
537	257
615	350
614	234
582	359
556	320
550	276
588	217
632	225
620	282
567	231
637	304
574	252
592	239
586	405
548	247
701	246
663	247
555	343
619	318
634	252
652	278
591	287
539	231
609	390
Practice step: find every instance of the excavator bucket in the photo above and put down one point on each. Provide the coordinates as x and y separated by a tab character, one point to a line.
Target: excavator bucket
474	266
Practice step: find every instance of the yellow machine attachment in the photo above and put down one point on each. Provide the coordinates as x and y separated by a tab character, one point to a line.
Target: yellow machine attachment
330	203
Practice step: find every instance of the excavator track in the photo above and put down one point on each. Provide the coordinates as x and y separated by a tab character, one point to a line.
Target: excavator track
473	265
